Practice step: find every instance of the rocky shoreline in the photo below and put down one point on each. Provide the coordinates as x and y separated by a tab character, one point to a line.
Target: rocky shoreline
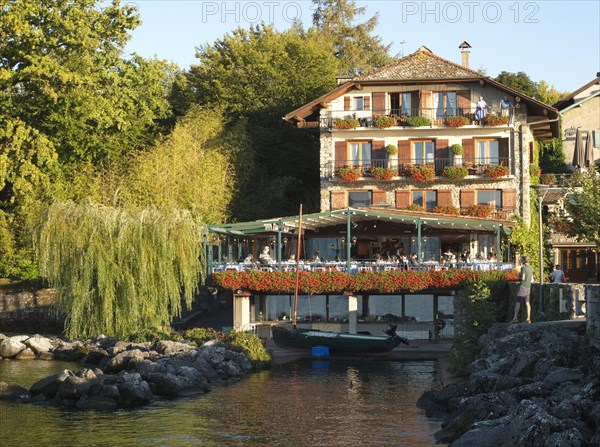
533	385
120	374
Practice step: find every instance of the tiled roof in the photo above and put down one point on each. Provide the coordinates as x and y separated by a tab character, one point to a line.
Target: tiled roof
422	64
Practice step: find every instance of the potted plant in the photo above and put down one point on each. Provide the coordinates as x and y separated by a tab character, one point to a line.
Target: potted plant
350	174
418	121
384	121
456	149
446	209
482	210
496	171
455	172
495	120
383	173
391	149
423	174
346	123
415	207
457	121
548	179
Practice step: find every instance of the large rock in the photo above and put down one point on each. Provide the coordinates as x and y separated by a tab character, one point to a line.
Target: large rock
49	385
561	375
73	387
120	361
95	356
39	344
167	347
133	390
25	354
96	403
9	391
70	352
9	348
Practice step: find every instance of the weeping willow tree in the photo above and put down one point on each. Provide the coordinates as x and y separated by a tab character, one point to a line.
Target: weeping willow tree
118	271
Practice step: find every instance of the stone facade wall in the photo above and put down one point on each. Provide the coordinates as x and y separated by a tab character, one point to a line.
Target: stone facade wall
24	308
587	117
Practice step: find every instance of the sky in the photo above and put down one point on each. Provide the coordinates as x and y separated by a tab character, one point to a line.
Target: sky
555	41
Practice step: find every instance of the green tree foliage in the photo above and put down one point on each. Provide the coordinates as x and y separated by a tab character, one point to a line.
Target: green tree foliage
115	271
583	208
354	45
548	94
519	81
61	72
256	76
552	156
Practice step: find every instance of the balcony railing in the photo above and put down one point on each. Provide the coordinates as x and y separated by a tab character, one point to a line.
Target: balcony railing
351	119
401	168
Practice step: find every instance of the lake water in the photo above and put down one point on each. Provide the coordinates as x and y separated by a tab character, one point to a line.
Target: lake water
307	403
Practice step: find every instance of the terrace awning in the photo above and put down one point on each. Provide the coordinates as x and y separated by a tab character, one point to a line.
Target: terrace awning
316	221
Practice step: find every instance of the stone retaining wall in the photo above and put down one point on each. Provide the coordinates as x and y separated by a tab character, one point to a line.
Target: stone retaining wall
27	308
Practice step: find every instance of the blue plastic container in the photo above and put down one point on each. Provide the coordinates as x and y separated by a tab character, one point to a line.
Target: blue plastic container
320	351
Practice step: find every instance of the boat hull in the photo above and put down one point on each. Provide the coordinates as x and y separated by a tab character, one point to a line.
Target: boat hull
335	341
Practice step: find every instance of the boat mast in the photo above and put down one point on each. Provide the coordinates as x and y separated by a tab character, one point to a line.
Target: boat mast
297	267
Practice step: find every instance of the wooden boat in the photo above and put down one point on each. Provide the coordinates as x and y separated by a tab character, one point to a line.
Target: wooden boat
291	336
288	336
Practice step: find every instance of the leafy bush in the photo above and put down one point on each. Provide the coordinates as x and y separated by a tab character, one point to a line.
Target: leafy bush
422	174
391	149
250	345
154	334
457	121
455	172
346	123
418	121
383	173
456	149
384	121
496	171
446	209
350	174
548	179
495	120
201	335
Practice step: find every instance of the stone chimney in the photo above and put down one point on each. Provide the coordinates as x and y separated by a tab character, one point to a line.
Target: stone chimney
464	49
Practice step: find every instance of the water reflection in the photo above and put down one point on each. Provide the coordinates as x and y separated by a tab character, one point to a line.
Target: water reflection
309	403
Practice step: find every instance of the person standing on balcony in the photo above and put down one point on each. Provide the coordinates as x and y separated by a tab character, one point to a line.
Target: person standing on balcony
526	278
504	106
480	109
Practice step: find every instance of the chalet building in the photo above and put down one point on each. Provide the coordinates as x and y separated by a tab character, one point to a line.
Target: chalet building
426	107
580	125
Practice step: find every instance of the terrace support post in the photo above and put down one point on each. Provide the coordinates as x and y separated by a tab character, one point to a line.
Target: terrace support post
241	311
419	253
219	250
352	313
279	243
229	250
498	254
348	240
210	259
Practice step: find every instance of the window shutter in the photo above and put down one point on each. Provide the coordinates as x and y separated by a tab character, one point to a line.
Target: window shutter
444	197
403	198
468	145
367	100
463	99
467	198
414	103
341	154
427	103
379	197
404	156
338	200
378	154
503	151
346	103
509	199
442	155
379	102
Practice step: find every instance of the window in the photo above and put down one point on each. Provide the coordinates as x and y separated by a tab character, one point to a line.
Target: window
444	104
492	197
426	199
423	152
487	152
357	199
359	103
359	153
